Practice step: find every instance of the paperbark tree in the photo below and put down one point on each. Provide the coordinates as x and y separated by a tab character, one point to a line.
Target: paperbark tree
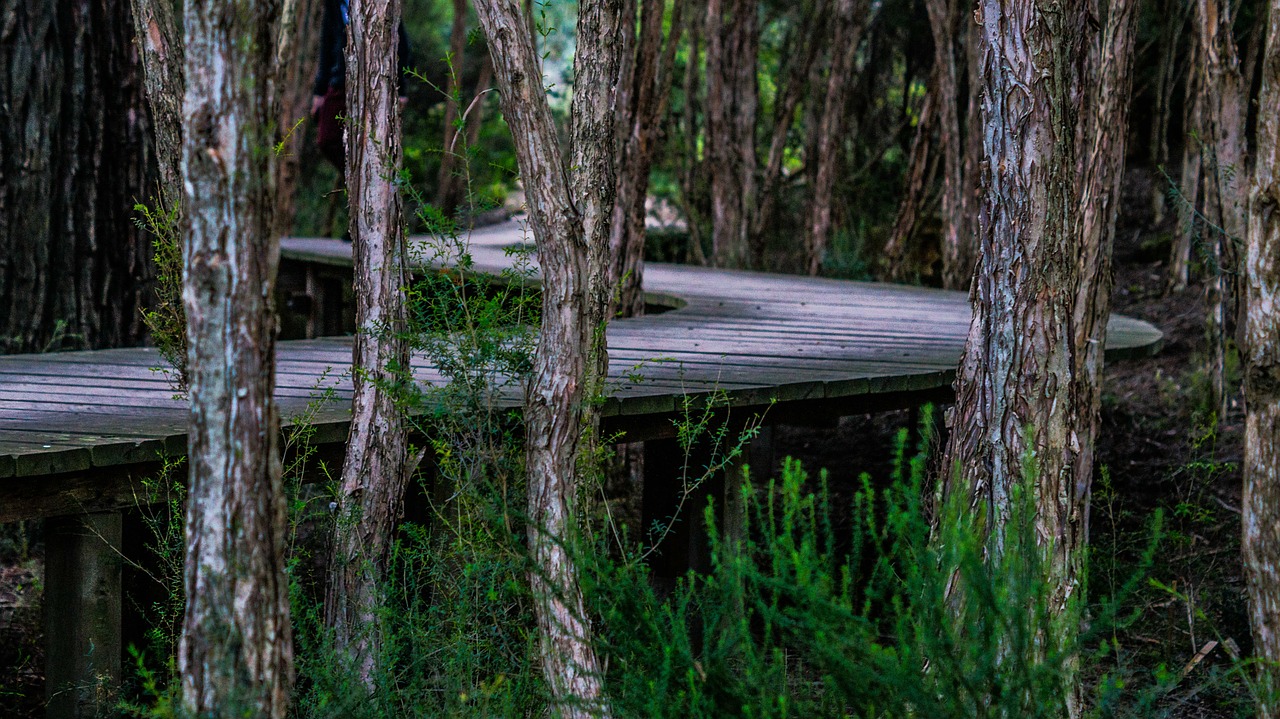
296	50
74	153
235	655
160	46
1261	506
1021	393
569	212
733	98
645	86
375	468
850	18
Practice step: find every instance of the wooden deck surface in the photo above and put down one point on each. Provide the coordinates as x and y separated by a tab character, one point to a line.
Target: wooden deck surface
756	336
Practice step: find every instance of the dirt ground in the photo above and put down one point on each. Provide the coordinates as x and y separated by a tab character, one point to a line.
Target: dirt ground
1159	452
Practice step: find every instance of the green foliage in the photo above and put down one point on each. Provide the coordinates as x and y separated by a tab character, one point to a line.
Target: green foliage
168	321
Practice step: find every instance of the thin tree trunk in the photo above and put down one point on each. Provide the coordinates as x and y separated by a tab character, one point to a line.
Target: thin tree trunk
851	18
691	164
572	236
446	185
296	50
913	200
236	651
1175	19
733	37
75	153
648	92
1224	118
1018	392
375	471
957	259
1261	506
1189	180
160	44
1106	131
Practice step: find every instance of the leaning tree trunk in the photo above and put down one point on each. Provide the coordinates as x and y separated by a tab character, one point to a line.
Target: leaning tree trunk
1261	522
1224	203
74	154
571	229
649	88
236	651
894	254
733	98
374	471
851	17
1018	393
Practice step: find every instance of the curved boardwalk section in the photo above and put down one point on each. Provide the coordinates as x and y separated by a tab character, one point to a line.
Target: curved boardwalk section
813	345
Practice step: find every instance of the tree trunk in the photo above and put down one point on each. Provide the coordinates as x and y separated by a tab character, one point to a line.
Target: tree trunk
1189	180
374	472
733	38
236	651
1175	18
1261	522
74	153
1105	133
851	17
1017	389
160	46
691	164
571	233
1223	149
971	200
647	91
895	250
957	255
296	49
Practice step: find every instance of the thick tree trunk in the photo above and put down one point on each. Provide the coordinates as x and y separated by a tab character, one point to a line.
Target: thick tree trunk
1189	180
733	39
374	472
1018	391
1224	202
957	255
850	18
647	91
296	50
74	155
236	651
572	233
1261	522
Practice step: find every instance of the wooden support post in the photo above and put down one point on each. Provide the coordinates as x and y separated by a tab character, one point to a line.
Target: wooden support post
82	614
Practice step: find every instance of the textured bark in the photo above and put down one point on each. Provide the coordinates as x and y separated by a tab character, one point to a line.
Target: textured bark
733	98
374	472
1261	506
1189	180
571	231
971	200
646	89
1018	391
1105	131
296	50
160	42
957	254
1224	202
235	655
74	153
850	19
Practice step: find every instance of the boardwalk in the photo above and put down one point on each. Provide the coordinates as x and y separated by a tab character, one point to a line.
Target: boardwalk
812	344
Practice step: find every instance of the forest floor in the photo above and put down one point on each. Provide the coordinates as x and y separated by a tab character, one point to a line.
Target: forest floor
1160	451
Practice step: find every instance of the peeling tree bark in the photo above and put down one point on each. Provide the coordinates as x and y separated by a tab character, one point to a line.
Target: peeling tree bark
375	471
1261	506
235	655
571	229
1018	389
75	152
